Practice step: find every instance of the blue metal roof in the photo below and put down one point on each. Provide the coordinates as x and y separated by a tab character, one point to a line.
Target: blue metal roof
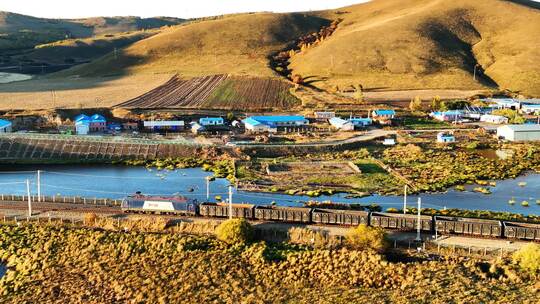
97	118
385	112
285	118
4	123
273	120
251	121
82	117
87	119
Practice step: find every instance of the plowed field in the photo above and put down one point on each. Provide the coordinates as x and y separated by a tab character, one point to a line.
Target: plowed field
217	92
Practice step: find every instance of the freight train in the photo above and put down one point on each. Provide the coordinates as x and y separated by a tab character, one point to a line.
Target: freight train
139	203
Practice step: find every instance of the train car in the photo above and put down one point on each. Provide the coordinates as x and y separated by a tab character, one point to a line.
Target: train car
140	203
285	214
340	217
524	231
469	226
246	211
405	222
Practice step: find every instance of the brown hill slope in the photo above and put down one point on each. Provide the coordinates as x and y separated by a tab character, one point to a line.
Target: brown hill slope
238	44
20	31
413	44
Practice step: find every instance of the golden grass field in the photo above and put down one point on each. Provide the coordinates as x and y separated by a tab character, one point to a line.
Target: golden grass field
76	92
425	44
384	45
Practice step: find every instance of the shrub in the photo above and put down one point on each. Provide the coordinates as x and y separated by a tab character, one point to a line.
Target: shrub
90	218
528	258
364	237
235	231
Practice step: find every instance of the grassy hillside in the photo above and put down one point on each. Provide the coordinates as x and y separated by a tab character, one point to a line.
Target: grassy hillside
413	44
83	49
237	44
20	31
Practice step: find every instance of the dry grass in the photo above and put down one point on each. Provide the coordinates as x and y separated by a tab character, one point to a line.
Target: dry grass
238	44
416	44
76	92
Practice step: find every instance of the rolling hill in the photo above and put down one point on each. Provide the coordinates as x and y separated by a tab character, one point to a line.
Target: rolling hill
383	45
238	44
415	44
20	31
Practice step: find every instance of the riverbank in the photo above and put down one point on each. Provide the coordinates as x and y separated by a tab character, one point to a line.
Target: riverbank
116	182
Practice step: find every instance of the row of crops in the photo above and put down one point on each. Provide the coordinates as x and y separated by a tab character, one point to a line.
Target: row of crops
217	92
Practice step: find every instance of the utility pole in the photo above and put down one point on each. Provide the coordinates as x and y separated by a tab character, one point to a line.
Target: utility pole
39	185
418	222
405	200
230	201
207	188
29	198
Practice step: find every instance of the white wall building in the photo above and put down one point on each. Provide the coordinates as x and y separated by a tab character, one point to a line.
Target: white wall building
496	119
341	124
519	132
82	128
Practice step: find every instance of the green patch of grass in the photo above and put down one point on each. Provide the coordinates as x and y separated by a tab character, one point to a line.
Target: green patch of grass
423	123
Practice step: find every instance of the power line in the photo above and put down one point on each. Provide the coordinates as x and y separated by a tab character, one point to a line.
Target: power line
122	177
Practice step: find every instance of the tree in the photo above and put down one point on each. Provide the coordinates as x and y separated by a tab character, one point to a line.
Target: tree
416	104
436	103
358	93
512	115
364	237
443	106
297	79
235	231
528	258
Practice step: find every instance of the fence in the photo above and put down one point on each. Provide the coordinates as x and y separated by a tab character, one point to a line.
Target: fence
62	199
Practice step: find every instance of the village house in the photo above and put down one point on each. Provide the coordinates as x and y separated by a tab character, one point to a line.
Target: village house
530	109
271	124
453	115
324	116
5	126
164	125
383	116
528	132
211	121
85	124
341	124
130	126
443	137
361	121
495	119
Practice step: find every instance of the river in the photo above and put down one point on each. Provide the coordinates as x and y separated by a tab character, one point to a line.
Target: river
118	181
13	77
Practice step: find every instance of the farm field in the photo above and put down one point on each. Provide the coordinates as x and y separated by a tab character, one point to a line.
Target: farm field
217	92
95	92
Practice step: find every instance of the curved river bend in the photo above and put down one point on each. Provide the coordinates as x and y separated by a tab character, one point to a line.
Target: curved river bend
119	181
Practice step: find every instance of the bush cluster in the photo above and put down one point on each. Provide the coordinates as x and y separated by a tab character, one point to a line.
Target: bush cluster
235	231
365	237
49	264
